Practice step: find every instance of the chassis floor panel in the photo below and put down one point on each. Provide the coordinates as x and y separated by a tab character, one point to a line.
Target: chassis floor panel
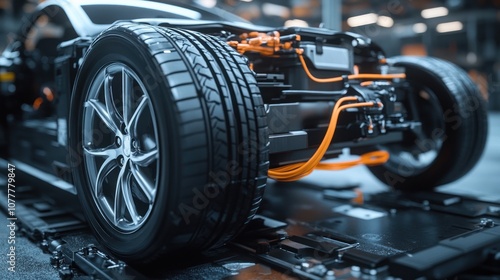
392	232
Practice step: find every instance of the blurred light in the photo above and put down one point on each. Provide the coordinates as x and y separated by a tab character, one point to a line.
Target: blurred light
207	3
296	23
449	26
270	9
419	27
471	58
434	12
385	21
362	20
246	0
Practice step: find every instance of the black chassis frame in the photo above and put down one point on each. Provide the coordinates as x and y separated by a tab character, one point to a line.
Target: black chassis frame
298	109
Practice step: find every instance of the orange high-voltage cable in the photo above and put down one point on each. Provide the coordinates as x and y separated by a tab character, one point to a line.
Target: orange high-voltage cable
297	171
350	77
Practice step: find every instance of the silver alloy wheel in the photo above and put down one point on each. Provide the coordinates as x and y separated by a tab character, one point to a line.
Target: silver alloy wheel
120	147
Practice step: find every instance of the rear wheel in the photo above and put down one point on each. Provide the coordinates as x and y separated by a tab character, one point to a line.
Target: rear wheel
171	131
454	127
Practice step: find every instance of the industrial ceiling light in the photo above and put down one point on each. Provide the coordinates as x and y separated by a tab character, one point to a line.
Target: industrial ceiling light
449	26
419	27
271	9
434	12
296	23
207	3
385	21
360	20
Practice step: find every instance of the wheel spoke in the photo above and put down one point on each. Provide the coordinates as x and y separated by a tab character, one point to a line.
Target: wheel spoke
145	159
109	164
118	205
146	185
109	151
106	168
109	101
103	114
127	94
127	197
132	125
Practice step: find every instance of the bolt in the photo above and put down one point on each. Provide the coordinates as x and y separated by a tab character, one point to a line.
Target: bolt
55	259
56	253
118	141
340	255
45	245
65	273
487	223
121	160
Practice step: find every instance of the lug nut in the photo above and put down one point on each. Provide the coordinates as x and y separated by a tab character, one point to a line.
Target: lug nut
121	160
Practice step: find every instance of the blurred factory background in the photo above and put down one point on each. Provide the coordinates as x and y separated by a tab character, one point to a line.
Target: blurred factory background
464	32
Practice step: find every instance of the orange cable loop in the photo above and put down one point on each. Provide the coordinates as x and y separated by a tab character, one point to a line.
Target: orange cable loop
49	94
297	171
37	103
369	159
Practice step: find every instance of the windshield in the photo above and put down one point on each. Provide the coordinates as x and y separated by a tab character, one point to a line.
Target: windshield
108	12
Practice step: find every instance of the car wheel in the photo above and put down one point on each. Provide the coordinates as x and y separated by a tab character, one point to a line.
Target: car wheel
454	127
170	129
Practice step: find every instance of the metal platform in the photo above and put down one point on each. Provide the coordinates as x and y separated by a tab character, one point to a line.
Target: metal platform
318	228
430	235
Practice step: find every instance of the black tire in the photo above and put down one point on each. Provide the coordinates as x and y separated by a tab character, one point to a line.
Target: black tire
205	140
454	127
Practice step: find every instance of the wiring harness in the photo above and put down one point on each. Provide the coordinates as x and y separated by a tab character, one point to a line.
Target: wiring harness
297	171
270	45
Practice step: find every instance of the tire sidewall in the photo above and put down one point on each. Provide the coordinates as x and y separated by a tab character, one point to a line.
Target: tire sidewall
449	161
446	103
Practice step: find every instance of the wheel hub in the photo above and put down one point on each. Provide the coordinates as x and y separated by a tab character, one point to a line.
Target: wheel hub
127	146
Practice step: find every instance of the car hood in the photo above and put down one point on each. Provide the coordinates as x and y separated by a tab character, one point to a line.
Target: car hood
241	27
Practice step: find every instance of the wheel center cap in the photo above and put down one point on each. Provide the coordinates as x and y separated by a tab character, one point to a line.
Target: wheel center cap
127	145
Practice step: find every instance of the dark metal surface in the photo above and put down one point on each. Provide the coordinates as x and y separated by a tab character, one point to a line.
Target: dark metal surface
312	237
315	232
